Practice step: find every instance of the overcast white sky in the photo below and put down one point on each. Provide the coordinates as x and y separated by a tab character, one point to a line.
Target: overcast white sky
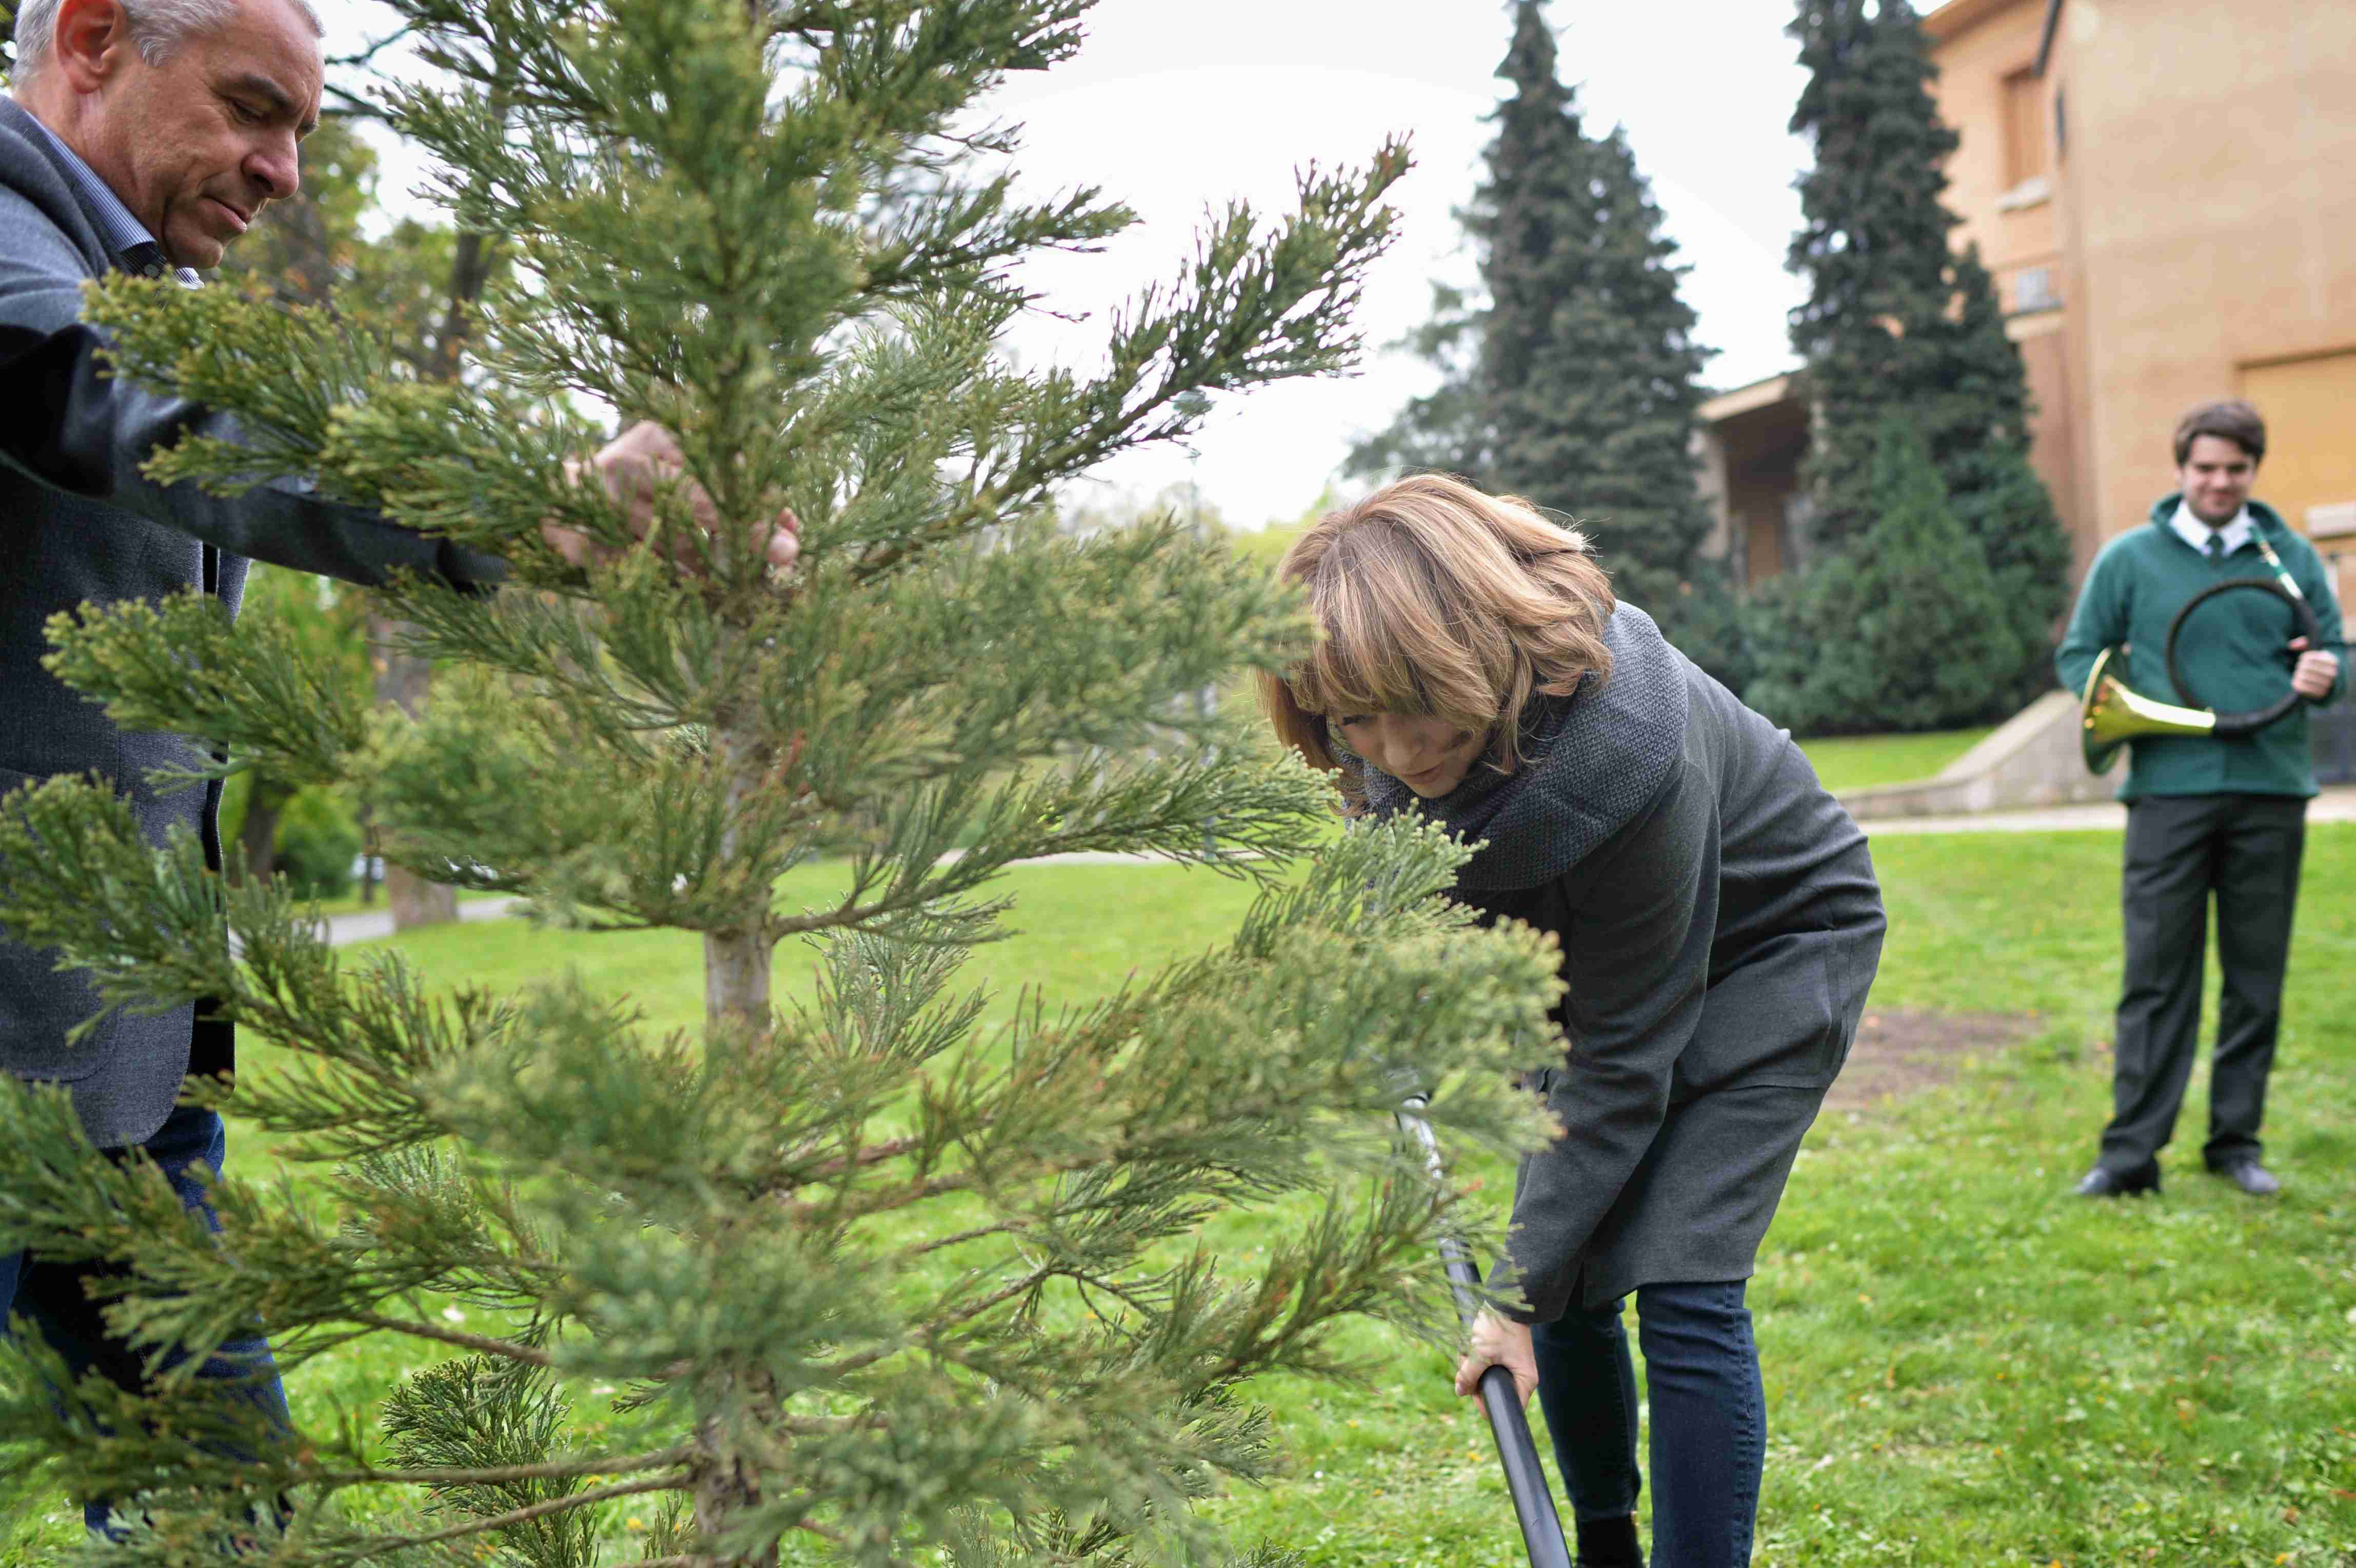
1176	107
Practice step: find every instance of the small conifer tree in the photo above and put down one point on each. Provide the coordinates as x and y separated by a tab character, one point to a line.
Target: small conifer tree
845	1275
1903	631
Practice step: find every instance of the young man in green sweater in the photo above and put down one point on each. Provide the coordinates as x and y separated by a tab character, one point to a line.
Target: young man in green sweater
2205	817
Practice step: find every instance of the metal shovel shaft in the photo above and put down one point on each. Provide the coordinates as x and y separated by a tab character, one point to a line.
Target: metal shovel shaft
1525	1481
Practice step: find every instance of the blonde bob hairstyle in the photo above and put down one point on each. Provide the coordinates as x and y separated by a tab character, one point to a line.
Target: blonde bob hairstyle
1435	600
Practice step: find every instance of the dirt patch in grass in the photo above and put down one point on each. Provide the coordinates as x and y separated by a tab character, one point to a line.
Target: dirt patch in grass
1899	1053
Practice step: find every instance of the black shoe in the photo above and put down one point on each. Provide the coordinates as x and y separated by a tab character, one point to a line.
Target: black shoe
2104	1182
1608	1543
2251	1176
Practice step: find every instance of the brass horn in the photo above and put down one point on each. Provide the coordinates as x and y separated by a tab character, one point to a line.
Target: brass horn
2113	713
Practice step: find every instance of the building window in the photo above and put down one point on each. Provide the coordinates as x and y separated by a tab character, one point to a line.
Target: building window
2025	153
2033	289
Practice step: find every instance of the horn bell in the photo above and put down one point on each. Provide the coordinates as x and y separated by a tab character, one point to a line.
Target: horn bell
2111	714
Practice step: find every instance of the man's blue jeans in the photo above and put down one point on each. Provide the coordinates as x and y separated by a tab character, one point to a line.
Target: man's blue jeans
51	1295
1708	1412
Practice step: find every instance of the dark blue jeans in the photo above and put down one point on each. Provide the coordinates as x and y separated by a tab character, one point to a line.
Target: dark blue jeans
50	1295
1708	1412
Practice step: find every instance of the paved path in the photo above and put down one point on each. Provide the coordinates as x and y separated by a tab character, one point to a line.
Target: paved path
370	924
2334	804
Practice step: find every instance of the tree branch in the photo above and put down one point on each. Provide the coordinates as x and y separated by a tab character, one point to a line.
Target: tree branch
342	103
928	1339
555	1470
672	1483
977	1234
483	1342
686	1559
874	1154
915	1192
368	55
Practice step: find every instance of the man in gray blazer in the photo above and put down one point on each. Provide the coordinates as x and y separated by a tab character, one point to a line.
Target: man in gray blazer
144	136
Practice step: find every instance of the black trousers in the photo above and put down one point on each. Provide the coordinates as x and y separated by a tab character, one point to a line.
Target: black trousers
2242	850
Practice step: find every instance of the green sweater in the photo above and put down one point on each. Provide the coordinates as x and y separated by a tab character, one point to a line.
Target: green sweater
2234	650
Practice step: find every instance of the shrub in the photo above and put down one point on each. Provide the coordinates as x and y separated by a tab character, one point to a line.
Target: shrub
1904	630
317	841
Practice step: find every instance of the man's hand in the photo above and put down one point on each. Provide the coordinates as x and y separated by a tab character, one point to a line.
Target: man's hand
2316	670
1498	1342
633	466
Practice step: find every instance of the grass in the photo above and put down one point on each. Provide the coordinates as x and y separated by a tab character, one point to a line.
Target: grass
1965	1365
1860	762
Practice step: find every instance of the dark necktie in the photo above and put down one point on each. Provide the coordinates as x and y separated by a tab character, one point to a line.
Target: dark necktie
2216	546
146	260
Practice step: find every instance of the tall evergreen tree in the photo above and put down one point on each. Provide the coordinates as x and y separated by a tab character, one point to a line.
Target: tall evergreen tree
1582	387
1898	321
868	1276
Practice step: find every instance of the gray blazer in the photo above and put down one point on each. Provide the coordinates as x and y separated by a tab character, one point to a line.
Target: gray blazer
1720	924
87	527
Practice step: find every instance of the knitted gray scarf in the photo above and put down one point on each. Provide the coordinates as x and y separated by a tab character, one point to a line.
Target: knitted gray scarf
1591	761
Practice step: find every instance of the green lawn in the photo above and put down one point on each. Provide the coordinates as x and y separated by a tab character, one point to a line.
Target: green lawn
1965	1365
1860	761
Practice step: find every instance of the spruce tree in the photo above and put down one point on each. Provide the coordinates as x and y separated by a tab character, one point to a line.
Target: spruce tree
1583	389
1916	617
1898	321
869	1278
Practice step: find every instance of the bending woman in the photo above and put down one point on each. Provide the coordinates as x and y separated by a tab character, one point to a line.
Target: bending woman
1719	926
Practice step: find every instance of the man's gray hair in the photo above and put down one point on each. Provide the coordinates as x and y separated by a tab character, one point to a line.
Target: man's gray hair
157	27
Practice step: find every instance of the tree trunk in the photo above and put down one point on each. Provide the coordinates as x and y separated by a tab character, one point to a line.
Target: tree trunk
737	964
258	839
470	269
736	972
369	861
722	1487
408	682
416	902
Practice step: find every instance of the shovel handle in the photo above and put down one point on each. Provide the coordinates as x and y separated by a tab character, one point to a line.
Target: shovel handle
1517	1452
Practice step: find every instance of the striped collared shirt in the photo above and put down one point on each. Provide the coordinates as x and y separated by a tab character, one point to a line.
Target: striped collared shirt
124	234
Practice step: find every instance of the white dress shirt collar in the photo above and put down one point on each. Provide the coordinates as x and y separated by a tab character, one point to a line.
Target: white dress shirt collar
2195	532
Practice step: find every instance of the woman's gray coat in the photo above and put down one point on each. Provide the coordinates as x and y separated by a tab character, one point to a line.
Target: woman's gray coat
1720	925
